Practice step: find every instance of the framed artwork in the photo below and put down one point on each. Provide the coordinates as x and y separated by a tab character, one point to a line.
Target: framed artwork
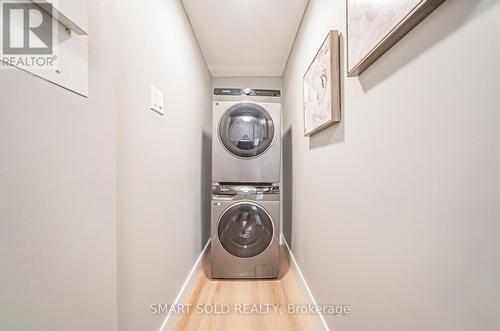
322	87
373	27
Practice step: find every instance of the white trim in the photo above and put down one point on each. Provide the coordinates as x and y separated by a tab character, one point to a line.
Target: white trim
318	319
186	289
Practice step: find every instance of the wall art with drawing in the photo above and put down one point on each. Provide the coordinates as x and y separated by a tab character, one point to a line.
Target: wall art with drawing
322	87
373	27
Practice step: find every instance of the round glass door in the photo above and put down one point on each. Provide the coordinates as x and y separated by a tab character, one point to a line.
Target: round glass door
246	130
245	230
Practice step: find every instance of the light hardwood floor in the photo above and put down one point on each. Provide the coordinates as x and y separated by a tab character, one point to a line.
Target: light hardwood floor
234	293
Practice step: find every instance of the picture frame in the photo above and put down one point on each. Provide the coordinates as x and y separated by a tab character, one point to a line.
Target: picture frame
321	87
375	27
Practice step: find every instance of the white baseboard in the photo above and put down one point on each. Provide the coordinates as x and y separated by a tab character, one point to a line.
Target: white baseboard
318	319
187	288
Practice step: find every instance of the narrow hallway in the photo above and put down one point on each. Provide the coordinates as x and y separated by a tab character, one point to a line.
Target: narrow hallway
249	165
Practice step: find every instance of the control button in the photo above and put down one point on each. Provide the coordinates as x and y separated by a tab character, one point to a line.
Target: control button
247	91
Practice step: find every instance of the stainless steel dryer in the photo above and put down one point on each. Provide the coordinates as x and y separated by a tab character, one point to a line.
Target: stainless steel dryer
245	231
246	145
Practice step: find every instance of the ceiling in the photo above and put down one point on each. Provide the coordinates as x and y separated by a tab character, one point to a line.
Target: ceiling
245	37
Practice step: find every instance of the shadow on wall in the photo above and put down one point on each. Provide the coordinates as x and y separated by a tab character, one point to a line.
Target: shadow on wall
335	133
433	29
287	189
206	186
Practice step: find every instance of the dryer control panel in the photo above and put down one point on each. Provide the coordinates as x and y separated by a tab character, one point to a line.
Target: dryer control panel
248	92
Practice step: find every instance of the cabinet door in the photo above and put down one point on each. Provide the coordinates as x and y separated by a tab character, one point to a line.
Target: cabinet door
71	13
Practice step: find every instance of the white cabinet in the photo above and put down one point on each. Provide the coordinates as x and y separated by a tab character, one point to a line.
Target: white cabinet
55	47
70	13
69	29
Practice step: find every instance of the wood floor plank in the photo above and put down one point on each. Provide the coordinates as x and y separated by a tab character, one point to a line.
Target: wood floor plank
236	293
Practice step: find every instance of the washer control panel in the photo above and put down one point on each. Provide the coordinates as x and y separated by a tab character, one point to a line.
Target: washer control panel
241	189
247	91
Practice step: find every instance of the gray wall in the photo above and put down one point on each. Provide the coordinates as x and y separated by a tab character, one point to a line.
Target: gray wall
163	161
58	197
102	198
395	210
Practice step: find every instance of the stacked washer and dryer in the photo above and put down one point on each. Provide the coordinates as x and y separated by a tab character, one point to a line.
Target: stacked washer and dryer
246	166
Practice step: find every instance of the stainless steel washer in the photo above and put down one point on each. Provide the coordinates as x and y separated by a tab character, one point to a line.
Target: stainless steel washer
245	231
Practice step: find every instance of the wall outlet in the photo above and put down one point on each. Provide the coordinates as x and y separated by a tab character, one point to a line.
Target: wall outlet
157	100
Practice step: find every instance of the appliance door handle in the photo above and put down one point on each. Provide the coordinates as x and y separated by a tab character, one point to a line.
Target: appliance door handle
226	197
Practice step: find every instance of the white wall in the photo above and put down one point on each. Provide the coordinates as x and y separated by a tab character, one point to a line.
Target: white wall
58	197
395	210
163	161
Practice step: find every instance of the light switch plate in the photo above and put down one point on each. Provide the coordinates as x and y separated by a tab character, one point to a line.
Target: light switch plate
157	100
